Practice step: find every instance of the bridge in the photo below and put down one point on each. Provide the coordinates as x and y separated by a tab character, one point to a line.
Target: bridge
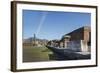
67	54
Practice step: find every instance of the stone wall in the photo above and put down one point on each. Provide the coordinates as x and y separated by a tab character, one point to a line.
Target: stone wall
78	46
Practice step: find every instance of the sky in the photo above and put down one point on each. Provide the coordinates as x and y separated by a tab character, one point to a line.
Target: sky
51	24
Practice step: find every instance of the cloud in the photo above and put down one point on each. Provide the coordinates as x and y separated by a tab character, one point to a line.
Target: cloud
41	22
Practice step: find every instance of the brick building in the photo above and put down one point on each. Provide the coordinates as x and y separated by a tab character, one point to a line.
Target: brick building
79	38
83	33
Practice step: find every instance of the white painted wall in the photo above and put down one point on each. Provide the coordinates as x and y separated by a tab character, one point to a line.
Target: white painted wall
5	37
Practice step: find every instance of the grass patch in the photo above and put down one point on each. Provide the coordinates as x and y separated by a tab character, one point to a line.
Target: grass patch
35	54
